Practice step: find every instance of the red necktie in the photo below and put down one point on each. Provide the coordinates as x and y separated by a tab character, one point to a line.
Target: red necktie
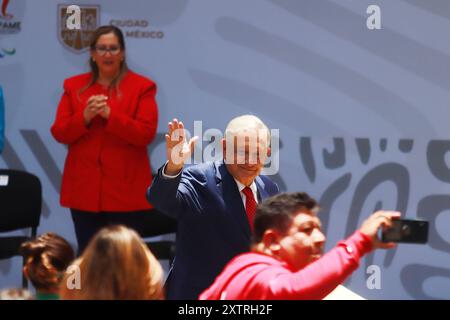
250	205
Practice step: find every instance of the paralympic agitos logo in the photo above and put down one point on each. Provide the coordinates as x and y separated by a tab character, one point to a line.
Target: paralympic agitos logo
7	52
7	26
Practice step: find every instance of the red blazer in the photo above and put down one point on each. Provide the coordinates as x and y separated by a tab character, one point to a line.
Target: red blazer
107	167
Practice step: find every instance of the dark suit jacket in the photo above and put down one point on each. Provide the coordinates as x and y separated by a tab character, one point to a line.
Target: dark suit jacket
212	223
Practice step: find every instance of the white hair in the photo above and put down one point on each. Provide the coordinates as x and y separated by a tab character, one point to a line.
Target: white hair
246	123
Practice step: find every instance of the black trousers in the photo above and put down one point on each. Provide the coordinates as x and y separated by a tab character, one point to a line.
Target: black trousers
148	223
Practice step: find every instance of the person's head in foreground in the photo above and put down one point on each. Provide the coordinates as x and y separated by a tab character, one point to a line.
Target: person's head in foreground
15	294
286	261
46	259
287	228
245	147
116	265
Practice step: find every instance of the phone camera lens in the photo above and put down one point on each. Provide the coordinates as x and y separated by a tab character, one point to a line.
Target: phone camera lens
406	230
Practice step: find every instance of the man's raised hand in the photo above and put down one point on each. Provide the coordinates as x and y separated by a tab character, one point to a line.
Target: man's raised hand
178	149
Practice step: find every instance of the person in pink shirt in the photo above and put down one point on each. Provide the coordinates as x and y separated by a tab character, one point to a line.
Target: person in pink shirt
286	259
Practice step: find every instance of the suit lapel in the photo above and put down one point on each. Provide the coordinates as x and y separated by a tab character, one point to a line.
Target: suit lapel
232	199
262	194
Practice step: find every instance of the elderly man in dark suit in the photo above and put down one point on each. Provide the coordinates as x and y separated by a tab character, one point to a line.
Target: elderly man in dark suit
213	202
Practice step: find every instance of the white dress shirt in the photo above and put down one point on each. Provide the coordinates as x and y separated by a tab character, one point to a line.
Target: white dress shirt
252	187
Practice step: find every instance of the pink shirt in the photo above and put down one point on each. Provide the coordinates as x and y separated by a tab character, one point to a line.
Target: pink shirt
255	276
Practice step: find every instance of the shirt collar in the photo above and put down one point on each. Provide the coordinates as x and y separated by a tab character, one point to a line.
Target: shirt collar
242	186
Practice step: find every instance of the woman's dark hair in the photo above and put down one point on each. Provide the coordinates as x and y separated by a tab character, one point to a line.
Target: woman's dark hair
100	31
46	259
278	211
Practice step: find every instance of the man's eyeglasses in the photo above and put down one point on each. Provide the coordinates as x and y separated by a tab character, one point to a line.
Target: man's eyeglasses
102	50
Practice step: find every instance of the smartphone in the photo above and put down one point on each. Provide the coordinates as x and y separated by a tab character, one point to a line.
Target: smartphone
406	231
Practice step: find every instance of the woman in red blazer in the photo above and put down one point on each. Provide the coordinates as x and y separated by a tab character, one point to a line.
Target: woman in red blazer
107	117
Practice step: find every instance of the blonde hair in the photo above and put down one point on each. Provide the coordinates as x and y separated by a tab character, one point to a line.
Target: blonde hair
116	265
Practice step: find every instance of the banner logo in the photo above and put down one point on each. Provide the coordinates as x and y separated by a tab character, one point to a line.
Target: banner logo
7	52
5	15
77	40
7	24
